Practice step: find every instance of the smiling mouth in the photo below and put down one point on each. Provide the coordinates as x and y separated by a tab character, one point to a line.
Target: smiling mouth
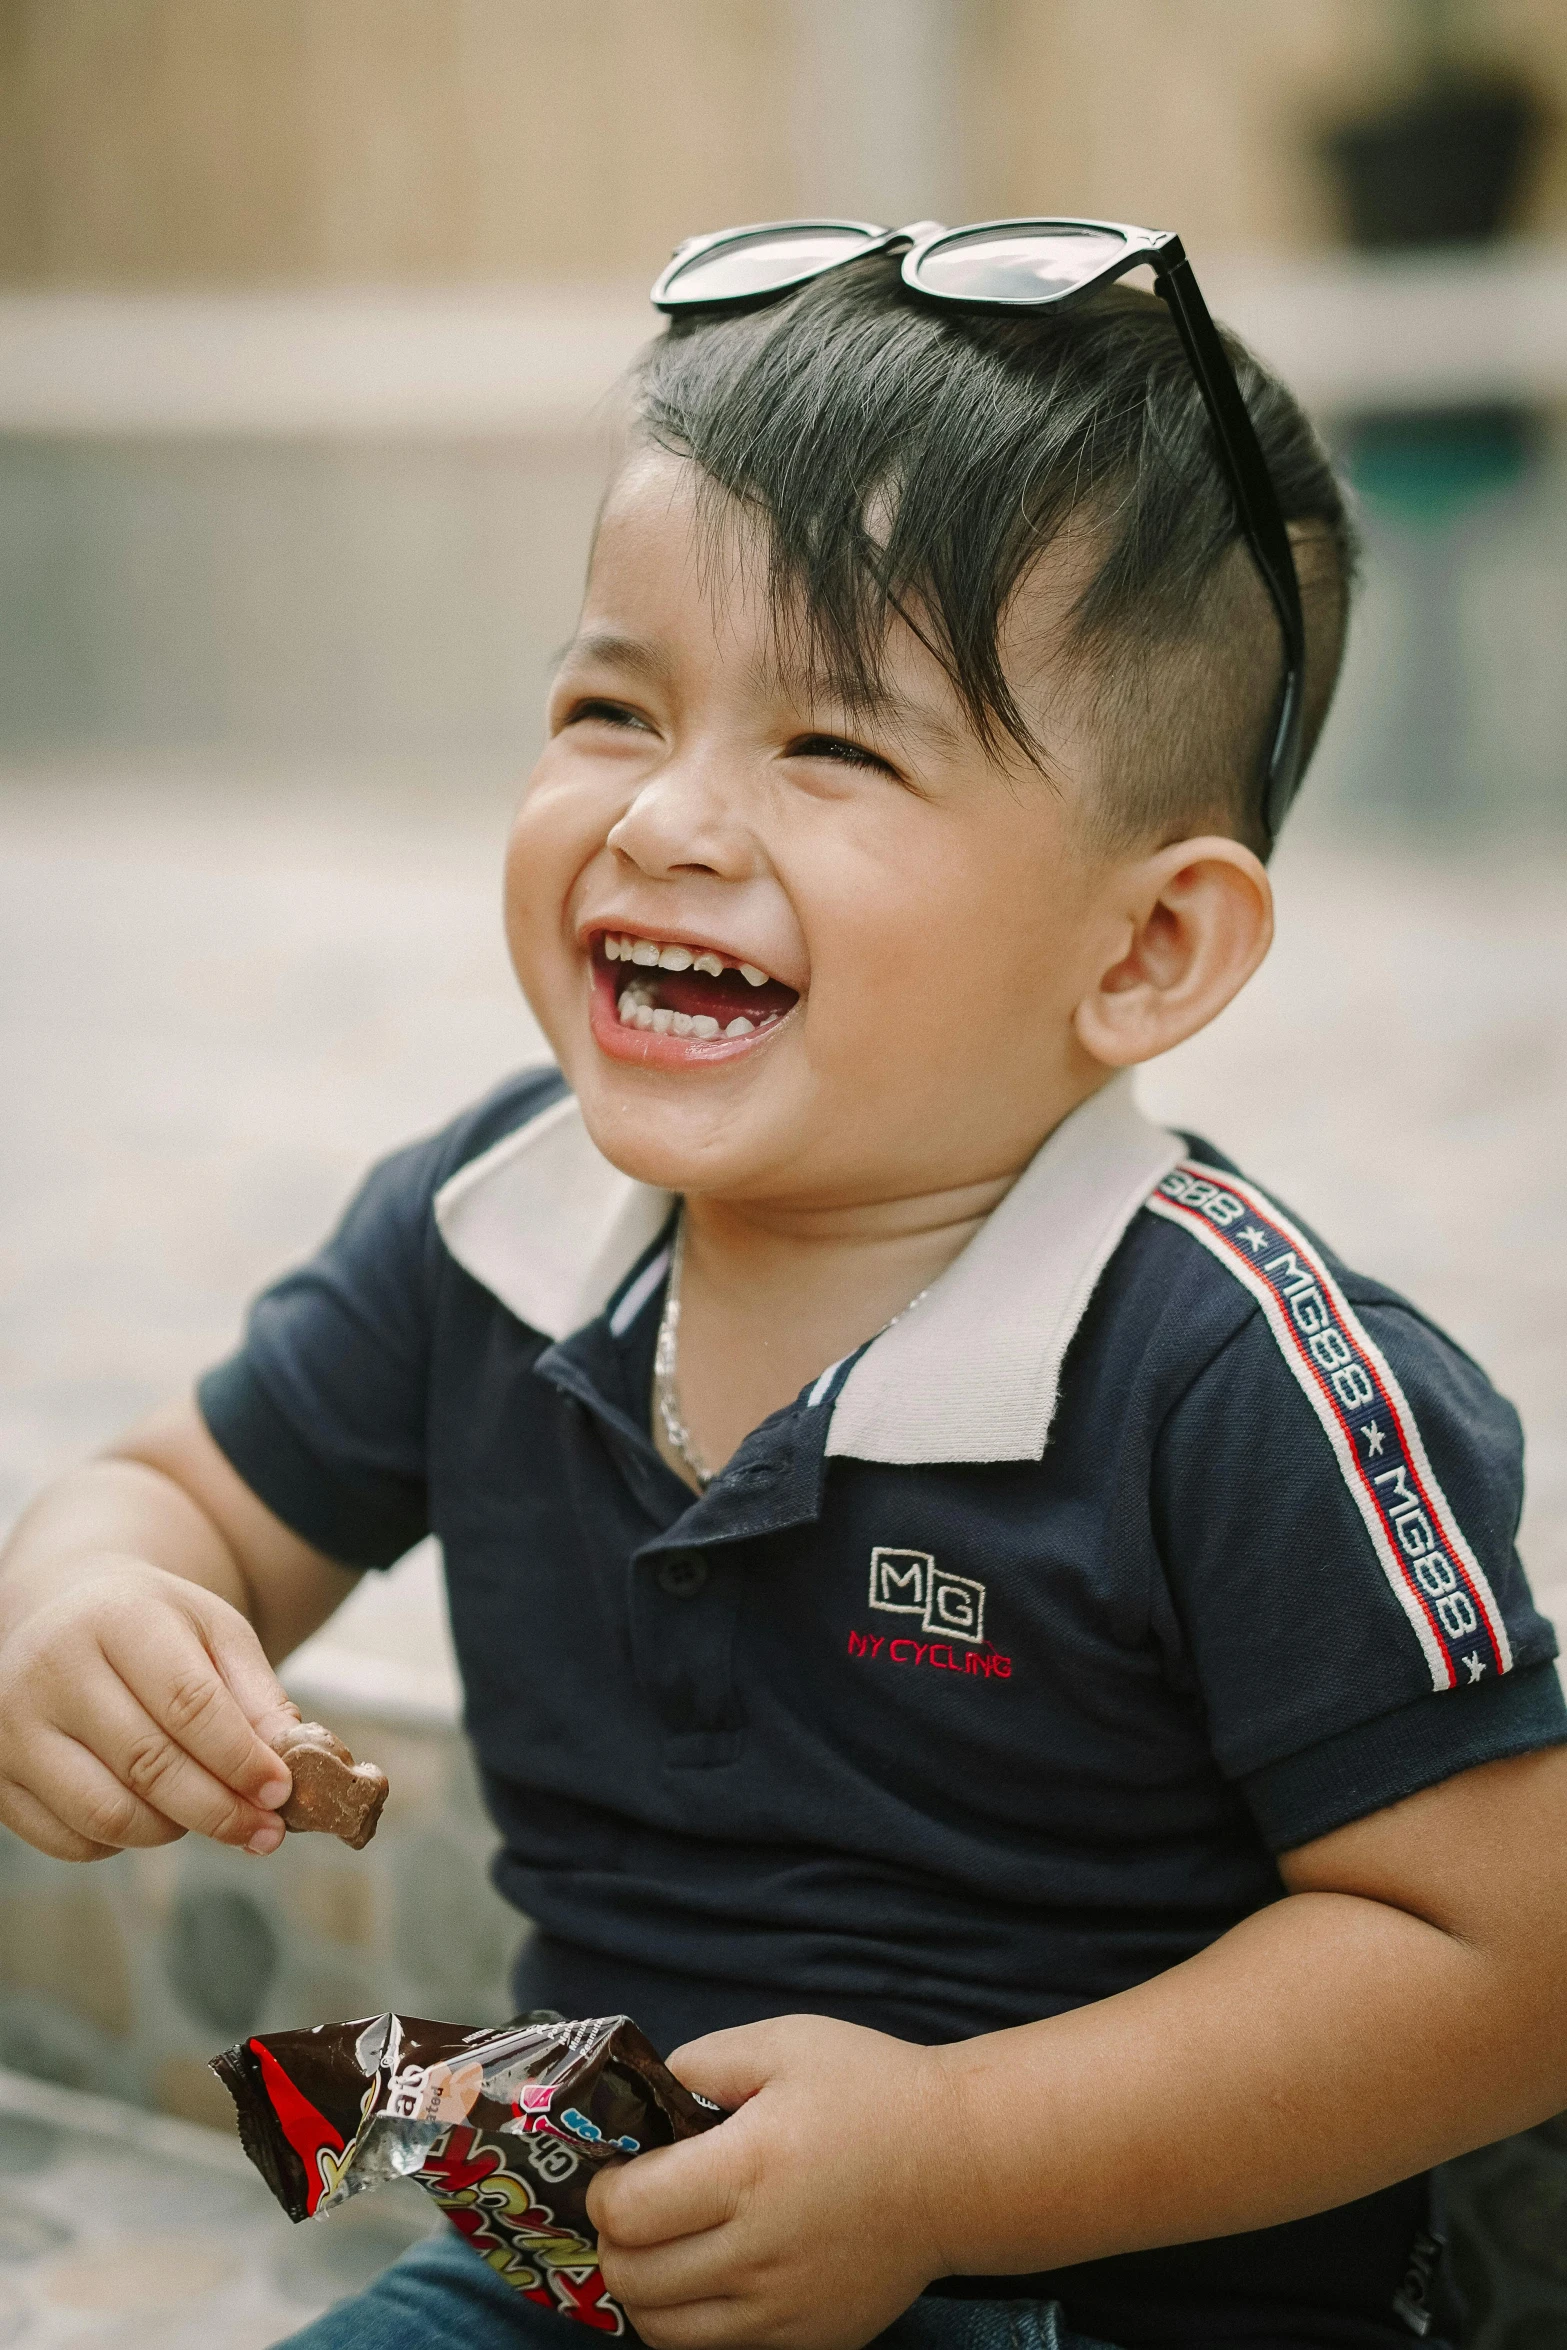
671	989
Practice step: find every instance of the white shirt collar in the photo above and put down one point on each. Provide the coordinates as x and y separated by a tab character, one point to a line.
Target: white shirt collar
971	1373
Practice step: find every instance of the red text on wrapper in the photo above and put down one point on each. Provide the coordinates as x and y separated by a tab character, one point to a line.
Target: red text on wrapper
529	2247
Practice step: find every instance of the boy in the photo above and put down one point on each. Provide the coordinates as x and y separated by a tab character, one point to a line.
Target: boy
970	1618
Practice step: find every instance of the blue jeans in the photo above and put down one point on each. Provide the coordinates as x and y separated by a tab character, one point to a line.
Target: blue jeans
440	2296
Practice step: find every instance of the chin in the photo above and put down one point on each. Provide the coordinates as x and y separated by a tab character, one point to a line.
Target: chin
672	1153
657	1129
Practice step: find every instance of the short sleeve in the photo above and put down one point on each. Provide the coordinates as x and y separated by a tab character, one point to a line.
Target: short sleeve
323	1408
1336	1499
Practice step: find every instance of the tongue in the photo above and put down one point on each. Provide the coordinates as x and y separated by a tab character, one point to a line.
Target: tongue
726	998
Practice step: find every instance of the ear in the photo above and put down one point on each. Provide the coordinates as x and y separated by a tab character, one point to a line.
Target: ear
1191	925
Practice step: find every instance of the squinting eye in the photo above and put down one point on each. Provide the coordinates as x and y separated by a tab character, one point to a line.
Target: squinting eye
607	713
838	748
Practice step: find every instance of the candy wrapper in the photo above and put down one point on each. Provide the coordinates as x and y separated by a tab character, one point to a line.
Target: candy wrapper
503	2127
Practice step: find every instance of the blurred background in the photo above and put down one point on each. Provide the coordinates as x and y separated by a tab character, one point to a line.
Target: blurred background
312	314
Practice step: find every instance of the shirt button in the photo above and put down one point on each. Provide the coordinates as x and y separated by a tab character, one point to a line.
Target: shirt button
682	1574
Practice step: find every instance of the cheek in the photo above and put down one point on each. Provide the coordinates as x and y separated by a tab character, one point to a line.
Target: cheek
956	944
558	830
925	928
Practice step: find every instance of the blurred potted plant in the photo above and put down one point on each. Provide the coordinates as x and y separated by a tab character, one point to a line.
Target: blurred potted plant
1441	162
1445	161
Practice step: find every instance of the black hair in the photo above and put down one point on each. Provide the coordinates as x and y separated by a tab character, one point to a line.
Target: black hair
912	459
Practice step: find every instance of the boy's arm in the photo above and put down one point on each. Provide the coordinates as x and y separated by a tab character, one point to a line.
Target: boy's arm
140	1600
1404	2003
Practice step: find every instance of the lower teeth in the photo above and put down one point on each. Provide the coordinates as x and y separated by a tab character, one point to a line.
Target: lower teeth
636	1012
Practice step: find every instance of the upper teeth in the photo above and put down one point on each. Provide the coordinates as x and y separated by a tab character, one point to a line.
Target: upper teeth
647	951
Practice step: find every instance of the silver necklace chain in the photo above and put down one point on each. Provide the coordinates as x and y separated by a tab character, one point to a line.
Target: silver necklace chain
666	1354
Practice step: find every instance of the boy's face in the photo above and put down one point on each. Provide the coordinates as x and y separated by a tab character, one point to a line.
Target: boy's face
871	936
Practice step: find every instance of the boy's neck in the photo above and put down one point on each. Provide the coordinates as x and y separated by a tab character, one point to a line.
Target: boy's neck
744	1243
772	1292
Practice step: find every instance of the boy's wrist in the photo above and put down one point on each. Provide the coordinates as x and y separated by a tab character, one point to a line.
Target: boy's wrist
1003	2193
959	2162
107	1520
50	1589
31	1577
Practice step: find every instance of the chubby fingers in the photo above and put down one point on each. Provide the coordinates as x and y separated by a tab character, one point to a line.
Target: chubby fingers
667	2248
157	1775
668	2193
117	1723
23	1813
732	2066
720	2323
72	1804
669	2276
197	1671
240	1658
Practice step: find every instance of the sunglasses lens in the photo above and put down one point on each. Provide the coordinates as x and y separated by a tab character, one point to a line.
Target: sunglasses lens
764	262
1018	264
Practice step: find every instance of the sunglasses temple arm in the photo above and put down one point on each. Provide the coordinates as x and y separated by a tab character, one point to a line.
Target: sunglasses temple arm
1257	504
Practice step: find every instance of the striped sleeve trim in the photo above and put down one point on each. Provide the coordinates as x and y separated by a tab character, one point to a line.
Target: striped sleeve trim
1421	1548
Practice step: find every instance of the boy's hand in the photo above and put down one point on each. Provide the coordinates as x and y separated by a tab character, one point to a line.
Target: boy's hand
133	1706
806	2220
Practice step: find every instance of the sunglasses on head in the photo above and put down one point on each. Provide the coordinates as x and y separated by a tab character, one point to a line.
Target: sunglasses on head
1040	265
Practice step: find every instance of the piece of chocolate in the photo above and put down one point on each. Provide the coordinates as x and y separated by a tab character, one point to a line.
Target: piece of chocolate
332	1795
502	2127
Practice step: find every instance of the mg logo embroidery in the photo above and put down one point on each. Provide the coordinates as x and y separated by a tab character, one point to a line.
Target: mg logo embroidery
909	1583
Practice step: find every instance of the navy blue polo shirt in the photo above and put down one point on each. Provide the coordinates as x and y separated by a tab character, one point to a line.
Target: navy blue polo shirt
991	1674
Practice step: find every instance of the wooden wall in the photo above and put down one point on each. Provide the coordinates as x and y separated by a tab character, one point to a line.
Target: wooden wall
325	141
254	141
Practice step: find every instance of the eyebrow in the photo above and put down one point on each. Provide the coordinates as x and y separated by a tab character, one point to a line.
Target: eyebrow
617	651
869	705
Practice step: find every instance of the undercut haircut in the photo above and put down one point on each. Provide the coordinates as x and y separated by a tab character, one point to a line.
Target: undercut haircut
911	460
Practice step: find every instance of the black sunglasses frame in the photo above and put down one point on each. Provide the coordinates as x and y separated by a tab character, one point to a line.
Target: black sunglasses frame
1257	507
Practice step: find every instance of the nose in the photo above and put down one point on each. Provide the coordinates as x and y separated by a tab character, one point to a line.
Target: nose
685	818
